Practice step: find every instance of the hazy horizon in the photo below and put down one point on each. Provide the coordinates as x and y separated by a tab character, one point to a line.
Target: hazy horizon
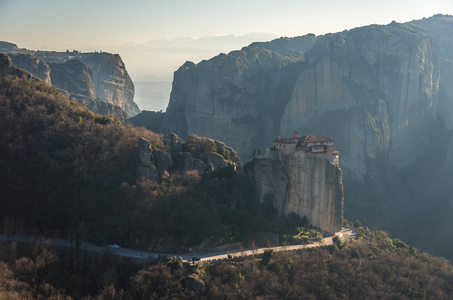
155	38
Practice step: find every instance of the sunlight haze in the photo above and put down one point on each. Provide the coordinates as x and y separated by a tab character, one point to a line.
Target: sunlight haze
148	34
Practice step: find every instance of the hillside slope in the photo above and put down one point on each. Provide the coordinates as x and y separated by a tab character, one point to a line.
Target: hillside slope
83	179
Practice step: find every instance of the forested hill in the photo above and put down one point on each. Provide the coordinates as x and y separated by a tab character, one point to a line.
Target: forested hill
70	173
62	165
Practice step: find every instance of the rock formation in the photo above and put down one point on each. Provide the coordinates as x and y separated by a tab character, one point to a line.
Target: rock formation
384	92
153	163
362	85
74	77
232	97
146	167
7	67
32	64
111	81
149	119
98	76
98	106
307	185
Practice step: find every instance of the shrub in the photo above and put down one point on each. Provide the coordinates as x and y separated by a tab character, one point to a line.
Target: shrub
267	256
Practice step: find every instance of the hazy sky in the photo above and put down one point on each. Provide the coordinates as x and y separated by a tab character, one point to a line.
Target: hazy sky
137	29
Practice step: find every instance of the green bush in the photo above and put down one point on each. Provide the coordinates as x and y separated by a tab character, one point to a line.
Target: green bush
267	256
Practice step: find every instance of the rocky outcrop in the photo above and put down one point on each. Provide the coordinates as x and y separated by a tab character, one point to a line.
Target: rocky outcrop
163	161
149	119
440	28
216	160
75	83
174	142
109	82
387	86
184	161
232	97
304	184
197	154
32	64
6	47
384	92
375	88
7	67
98	106
199	165
146	167
74	77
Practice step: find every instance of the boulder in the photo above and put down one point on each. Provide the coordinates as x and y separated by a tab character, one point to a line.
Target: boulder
216	160
146	167
148	171
184	161
174	142
162	160
199	165
144	151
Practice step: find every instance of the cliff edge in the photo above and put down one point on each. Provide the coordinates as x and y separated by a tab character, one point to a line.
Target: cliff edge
303	182
95	76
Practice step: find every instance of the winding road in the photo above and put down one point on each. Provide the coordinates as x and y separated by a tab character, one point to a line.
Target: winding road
345	234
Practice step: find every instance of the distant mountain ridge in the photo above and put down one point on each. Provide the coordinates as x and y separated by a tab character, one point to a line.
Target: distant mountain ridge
98	76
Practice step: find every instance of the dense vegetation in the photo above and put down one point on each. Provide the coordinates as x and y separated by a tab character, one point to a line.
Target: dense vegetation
373	267
67	172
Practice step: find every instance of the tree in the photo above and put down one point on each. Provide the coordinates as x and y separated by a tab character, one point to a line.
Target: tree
267	256
336	241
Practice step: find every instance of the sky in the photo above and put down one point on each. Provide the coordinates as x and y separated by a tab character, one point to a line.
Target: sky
154	38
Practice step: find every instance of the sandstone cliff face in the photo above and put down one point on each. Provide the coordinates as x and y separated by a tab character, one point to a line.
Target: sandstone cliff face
440	27
74	77
385	93
306	185
98	106
7	67
387	85
32	64
374	88
111	81
235	98
105	79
